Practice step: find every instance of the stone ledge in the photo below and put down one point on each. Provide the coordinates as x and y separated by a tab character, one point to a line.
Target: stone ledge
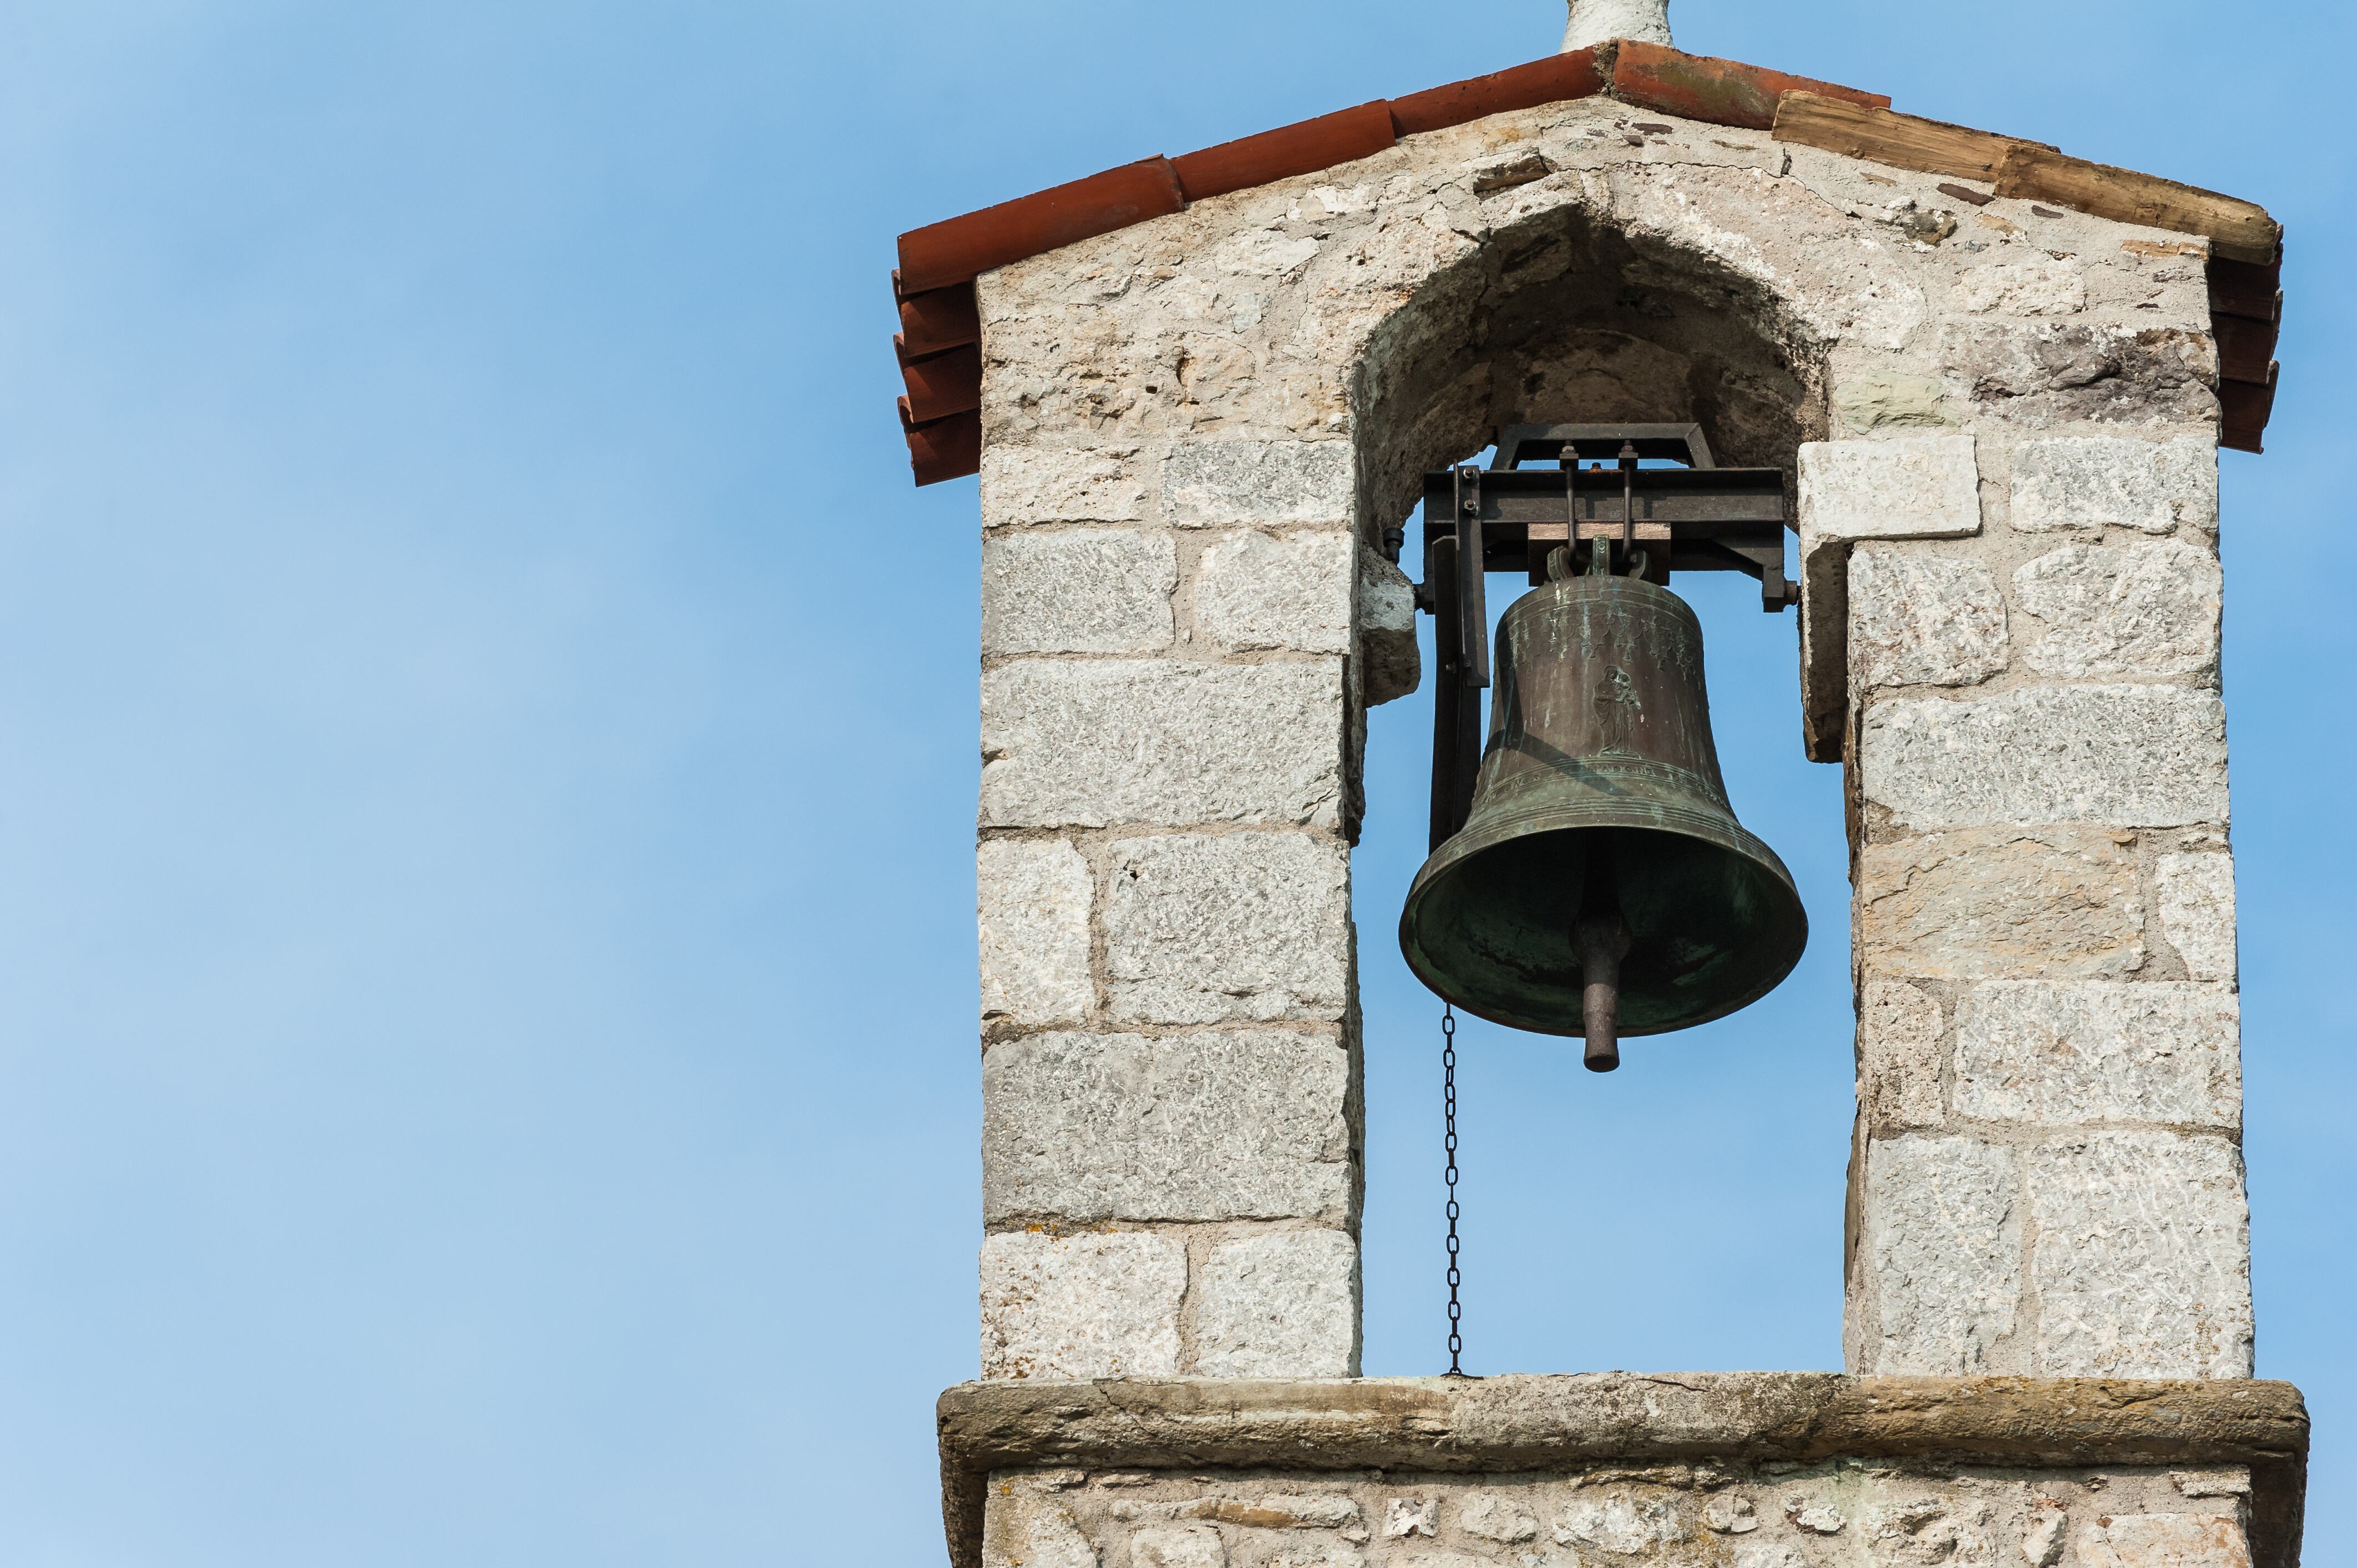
1524	1422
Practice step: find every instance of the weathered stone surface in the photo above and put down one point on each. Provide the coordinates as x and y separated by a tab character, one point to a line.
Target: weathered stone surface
2126	756
1898	1031
1504	1519
1292	591
2147	610
1201	1127
1222	484
1051	1538
1032	898
1087	743
1283	1303
1942	1242
2050	372
2100	1051
1406	1517
1727	1446
2164	1540
2197	912
2142	1263
1044	483
1202	928
1388	663
1091	1306
1184	1546
1864	403
2023	288
1083	590
1987	902
1908	487
1624	1520
1917	619
2090	482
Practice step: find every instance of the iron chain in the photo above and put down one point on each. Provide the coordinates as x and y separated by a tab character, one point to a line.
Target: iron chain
1448	1143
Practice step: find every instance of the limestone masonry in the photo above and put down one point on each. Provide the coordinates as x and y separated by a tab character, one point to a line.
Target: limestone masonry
2000	420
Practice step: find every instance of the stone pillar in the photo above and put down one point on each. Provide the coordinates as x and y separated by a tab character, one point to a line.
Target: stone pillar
2048	1176
1171	1119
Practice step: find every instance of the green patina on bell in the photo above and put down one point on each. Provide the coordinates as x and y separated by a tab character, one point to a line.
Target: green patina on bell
1601	885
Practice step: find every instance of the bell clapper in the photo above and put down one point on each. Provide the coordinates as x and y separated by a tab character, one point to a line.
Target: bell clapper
1602	941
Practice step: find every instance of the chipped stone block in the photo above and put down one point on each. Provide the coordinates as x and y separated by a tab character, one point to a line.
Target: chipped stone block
1985	904
1192	1127
1908	1521
2197	912
1292	591
1283	1303
2233	1482
1032	898
1091	1306
1493	1518
1908	487
1224	484
1041	484
1890	403
2143	1259
1051	1538
2145	609
2023	288
1296	1512
1730	1513
1388	663
1201	929
1087	743
1404	1518
1917	619
2128	755
1089	590
2102	482
2042	1532
1625	1521
1897	1057
1942	1241
2100	1051
2163	1541
2052	373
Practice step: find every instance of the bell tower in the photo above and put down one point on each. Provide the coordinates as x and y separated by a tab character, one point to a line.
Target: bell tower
1206	396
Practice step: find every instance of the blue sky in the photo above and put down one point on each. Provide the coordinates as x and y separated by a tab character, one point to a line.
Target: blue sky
486	1064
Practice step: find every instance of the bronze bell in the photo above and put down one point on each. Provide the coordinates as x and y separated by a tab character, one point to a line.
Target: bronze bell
1600	884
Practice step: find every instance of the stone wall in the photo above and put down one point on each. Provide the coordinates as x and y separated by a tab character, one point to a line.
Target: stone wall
1197	432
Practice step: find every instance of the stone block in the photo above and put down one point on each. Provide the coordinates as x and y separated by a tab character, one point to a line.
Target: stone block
2143	1259
1051	1538
1625	1521
2102	481
1917	619
1283	1303
1490	1517
1388	663
2197	912
2023	288
1224	484
2047	373
1179	1546
1943	1246
1268	590
1087	743
1082	590
2145	609
1898	1030
1091	1306
2100	1051
1890	403
2124	756
1044	483
1084	1128
1201	929
1985	904
2163	1541
1907	487
1032	898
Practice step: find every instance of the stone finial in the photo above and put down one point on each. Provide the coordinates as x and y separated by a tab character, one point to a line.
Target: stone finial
1595	21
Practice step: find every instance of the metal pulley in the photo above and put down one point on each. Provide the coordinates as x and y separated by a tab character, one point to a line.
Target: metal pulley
1587	875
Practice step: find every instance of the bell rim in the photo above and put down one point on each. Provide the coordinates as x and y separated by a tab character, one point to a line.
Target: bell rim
1722	831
